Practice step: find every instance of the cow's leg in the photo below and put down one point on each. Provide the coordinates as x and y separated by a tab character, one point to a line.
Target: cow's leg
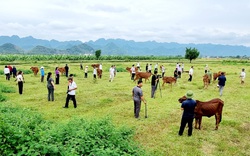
217	118
196	123
200	119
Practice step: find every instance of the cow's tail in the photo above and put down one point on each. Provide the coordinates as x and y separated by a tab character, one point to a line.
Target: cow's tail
221	108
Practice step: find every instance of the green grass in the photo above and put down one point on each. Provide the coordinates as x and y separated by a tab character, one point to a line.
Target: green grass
157	134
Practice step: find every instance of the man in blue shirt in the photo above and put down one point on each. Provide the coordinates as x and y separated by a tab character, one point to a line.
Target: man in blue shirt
42	73
188	114
222	81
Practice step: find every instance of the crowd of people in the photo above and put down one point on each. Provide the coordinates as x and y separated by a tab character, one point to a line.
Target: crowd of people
137	93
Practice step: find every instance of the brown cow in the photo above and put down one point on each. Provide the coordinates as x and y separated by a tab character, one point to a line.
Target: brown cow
129	70
206	80
62	70
142	75
35	70
95	65
208	108
169	80
99	73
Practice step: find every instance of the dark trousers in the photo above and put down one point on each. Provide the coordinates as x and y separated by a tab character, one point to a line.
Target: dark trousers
57	78
20	87
66	73
50	93
137	108
190	78
153	89
185	121
73	98
85	75
42	78
162	75
94	76
179	74
133	76
7	76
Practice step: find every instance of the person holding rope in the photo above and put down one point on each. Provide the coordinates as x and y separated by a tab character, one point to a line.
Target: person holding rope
137	96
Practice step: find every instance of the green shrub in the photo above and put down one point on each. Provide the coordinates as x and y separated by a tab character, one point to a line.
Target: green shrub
7	89
24	132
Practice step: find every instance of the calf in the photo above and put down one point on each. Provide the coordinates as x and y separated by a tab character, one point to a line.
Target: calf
207	108
142	75
35	70
169	80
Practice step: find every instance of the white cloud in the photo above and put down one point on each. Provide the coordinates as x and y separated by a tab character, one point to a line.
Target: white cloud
190	21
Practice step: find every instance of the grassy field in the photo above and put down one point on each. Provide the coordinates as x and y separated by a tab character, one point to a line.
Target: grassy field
157	134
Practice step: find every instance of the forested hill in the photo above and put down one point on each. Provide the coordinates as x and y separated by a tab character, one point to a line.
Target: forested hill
29	45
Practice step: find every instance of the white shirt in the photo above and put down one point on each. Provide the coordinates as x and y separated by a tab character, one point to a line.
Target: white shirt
111	71
6	70
100	66
163	69
94	71
149	67
191	71
19	78
72	85
133	69
243	75
156	66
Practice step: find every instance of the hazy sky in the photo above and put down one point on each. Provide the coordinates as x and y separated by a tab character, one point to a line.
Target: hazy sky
182	21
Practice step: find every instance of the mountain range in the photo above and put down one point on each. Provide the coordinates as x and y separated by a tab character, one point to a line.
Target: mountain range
29	45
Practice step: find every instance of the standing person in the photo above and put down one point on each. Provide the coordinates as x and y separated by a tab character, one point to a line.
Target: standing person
94	73
66	70
132	72
150	68
10	68
86	72
81	67
162	71
175	73
111	73
114	70
50	87
182	67
138	66
179	71
147	67
188	114
242	76
7	73
221	82
42	73
71	93
100	68
57	75
14	71
154	82
191	72
206	68
20	80
156	67
137	96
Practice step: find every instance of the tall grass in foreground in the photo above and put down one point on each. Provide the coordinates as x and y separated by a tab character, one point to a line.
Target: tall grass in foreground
158	133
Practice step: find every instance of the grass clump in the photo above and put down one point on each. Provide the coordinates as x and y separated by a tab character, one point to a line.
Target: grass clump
24	132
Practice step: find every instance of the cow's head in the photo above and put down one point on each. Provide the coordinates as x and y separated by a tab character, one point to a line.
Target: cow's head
182	99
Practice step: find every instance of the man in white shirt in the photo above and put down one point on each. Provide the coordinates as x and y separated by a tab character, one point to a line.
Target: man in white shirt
191	72
133	72
111	73
71	93
7	72
242	76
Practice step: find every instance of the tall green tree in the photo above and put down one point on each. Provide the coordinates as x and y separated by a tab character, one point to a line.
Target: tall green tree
191	54
98	54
